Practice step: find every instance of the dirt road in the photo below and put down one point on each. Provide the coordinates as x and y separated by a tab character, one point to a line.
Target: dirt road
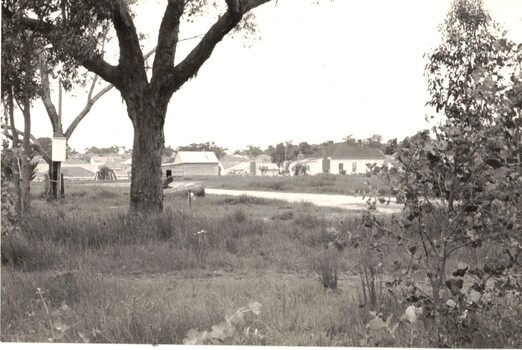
326	200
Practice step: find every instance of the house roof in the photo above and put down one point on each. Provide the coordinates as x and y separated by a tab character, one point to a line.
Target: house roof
74	161
346	151
76	172
106	158
195	157
229	161
116	165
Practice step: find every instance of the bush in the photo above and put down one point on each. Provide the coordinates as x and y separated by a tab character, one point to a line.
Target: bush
326	264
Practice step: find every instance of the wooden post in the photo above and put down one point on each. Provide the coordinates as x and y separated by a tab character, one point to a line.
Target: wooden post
46	185
62	190
189	198
58	180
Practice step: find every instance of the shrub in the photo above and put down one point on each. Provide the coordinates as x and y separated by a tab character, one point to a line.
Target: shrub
326	264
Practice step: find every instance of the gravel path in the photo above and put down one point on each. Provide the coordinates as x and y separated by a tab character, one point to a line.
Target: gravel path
326	200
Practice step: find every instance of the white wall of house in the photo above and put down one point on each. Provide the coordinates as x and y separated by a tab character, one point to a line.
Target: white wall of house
315	167
352	166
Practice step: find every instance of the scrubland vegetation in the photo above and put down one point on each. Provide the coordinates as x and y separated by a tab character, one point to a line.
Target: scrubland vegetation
444	272
85	271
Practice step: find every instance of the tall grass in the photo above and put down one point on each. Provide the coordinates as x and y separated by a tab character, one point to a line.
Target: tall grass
111	277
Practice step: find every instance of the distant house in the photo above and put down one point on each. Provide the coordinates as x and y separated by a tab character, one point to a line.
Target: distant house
121	169
72	169
77	173
252	168
193	163
228	161
127	161
99	160
340	158
244	165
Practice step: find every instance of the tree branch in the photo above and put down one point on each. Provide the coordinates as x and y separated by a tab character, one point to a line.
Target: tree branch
131	62
92	100
519	229
189	67
167	38
36	144
85	111
93	62
46	93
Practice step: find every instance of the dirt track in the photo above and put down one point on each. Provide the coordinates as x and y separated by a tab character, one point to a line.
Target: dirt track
326	200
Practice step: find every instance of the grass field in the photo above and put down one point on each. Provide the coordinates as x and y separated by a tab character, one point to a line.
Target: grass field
323	183
85	271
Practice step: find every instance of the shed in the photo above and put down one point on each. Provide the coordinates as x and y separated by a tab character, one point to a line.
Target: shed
192	163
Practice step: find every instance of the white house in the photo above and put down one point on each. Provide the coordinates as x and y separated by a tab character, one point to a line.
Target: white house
340	158
252	168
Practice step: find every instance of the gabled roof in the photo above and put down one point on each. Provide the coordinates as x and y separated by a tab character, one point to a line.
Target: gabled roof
228	161
196	157
346	151
116	165
74	161
76	172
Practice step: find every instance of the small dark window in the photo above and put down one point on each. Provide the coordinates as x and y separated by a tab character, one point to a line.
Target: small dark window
169	173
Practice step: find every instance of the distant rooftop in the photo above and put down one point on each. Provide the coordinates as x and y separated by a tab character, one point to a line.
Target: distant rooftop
195	157
344	150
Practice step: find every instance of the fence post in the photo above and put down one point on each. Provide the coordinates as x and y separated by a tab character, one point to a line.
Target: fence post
189	192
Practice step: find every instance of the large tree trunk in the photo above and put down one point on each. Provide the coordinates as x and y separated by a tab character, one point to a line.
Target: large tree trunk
148	116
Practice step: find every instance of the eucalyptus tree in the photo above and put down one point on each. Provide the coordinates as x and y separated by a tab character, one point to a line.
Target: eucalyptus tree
19	85
73	30
461	184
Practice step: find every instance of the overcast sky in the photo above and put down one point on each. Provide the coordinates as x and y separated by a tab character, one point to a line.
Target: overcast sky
317	73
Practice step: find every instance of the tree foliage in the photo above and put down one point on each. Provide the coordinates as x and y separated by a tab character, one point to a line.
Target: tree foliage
461	185
205	147
74	30
102	150
278	154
